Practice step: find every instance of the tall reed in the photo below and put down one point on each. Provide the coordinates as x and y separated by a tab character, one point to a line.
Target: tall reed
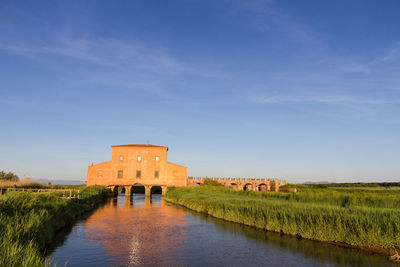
366	219
28	222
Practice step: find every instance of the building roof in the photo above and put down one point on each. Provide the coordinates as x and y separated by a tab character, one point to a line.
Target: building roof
139	145
176	164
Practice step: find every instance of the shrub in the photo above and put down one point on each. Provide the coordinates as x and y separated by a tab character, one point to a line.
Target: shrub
209	181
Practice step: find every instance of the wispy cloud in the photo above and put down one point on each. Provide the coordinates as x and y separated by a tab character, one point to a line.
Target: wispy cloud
125	55
266	15
17	103
118	64
391	55
357	68
18	49
107	52
323	99
125	65
84	49
372	64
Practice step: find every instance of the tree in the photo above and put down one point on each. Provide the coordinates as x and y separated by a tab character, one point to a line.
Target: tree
8	176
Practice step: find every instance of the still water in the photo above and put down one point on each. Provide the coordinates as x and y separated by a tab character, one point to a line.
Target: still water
140	231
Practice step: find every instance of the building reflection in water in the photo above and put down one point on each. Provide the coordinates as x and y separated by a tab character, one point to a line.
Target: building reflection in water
139	230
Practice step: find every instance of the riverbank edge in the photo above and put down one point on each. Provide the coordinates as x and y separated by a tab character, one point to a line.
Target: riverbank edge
71	219
68	218
391	253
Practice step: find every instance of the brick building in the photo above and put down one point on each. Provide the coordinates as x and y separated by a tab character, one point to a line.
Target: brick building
138	164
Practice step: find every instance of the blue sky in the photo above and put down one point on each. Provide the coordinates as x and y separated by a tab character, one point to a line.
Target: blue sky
295	90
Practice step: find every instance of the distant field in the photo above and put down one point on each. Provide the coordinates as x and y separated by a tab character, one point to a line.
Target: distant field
368	219
369	188
385	184
29	183
347	185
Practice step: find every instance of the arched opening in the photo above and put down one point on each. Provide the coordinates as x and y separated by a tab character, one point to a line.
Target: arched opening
138	189
233	186
248	187
115	190
262	188
196	184
156	189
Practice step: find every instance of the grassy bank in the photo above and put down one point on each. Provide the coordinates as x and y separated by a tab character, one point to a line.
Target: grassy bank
29	221
359	218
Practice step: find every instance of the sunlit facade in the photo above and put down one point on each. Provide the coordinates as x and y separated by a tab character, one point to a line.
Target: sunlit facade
137	164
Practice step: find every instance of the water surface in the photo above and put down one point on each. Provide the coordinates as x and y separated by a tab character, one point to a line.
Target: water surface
139	231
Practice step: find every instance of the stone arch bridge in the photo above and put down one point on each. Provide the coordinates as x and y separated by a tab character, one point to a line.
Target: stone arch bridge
251	184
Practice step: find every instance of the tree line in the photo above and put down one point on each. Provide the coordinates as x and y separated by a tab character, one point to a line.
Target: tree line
10	176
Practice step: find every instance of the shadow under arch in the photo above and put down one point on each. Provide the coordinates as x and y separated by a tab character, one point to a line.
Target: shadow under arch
156	189
138	188
248	187
114	190
262	188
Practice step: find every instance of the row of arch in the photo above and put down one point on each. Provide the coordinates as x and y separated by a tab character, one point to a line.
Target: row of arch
137	189
247	187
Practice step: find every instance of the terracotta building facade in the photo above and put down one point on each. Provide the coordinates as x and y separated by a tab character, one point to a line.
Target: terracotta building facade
137	164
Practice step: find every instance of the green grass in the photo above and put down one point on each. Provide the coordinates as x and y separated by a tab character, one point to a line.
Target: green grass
29	221
367	219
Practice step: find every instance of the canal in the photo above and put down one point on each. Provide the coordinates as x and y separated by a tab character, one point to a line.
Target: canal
139	231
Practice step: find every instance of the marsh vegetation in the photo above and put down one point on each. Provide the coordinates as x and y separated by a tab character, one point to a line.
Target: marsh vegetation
358	218
29	221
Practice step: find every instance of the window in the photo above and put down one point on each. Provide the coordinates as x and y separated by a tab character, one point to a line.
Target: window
139	158
138	174
120	174
156	174
99	173
121	157
157	158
